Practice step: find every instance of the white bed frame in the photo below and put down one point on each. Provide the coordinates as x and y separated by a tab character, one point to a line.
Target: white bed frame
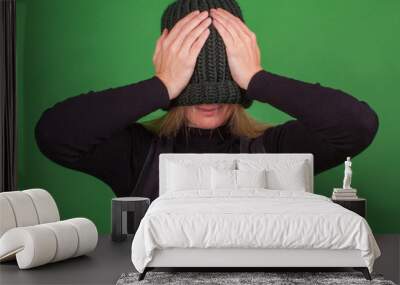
251	257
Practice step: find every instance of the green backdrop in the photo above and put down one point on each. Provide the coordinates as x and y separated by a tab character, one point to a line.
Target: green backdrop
65	48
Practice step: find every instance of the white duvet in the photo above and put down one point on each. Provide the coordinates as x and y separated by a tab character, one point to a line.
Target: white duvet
251	218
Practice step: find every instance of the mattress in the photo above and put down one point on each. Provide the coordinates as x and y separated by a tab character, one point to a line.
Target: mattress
250	218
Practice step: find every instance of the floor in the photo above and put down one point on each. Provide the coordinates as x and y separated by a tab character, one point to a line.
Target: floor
389	262
110	260
104	265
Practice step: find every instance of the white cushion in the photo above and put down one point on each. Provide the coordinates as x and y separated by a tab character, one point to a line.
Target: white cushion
23	208
45	243
7	218
231	179
187	177
198	161
291	179
283	175
46	207
67	237
256	178
26	208
188	174
223	179
31	246
87	233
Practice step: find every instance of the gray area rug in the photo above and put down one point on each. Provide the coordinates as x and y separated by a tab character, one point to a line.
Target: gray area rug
231	278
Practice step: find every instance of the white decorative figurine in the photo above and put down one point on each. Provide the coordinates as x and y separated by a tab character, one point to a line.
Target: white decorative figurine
347	174
346	192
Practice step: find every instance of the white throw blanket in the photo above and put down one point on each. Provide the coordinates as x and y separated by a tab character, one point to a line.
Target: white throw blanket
251	218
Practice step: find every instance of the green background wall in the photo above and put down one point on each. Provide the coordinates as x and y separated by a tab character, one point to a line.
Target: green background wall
65	48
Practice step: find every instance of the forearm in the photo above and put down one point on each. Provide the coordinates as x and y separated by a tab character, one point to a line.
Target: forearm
335	115
74	125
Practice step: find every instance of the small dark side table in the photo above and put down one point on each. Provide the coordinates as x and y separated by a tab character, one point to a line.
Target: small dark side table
126	214
358	205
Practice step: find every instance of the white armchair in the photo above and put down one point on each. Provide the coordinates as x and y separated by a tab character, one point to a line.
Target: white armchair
31	231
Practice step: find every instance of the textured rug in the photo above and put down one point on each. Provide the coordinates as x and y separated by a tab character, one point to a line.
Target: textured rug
244	278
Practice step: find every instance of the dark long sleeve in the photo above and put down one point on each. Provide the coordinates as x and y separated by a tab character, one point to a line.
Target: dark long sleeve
329	123
96	133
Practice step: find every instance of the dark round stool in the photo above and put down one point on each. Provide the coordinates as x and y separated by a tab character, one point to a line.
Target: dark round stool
126	214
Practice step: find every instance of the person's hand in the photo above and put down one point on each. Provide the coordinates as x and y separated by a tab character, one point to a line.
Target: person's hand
241	46
177	51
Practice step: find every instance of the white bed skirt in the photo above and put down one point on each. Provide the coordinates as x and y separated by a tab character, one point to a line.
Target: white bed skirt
253	257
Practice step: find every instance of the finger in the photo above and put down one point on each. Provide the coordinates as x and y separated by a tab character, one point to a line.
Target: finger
258	53
160	40
239	23
159	43
188	28
199	43
175	31
191	37
224	33
247	34
228	24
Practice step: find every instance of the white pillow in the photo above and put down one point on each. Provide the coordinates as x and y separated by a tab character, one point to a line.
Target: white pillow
231	179
187	177
293	178
223	179
203	161
256	178
281	175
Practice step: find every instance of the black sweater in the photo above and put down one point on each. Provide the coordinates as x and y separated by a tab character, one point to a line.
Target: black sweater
97	132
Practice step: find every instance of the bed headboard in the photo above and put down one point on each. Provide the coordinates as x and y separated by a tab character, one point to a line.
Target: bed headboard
308	158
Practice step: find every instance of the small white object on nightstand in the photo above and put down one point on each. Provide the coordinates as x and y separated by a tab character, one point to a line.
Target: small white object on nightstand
347	174
345	193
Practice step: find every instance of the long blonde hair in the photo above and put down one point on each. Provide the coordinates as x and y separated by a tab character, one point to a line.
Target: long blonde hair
240	123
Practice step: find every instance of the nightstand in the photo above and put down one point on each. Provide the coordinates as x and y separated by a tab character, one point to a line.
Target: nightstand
126	214
358	206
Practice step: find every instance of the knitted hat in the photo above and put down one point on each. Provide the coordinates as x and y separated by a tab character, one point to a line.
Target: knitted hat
211	81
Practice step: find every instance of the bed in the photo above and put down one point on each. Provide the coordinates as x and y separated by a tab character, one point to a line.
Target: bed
247	210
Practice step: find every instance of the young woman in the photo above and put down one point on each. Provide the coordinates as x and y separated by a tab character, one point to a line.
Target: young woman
98	132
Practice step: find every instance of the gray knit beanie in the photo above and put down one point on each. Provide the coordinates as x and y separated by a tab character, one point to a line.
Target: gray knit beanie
211	81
